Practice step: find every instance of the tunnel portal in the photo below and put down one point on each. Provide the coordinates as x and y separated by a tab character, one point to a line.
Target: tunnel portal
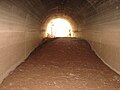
59	28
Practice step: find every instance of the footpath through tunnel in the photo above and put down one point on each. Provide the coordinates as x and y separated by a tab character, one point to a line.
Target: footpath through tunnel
91	38
62	64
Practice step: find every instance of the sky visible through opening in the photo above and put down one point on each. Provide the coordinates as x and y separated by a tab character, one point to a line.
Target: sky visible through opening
59	28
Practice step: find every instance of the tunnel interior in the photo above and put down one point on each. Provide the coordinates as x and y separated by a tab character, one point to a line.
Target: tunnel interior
23	26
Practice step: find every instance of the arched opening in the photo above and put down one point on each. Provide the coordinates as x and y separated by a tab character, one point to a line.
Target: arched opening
59	28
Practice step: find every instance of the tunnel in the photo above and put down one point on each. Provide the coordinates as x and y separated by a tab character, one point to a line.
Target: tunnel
32	57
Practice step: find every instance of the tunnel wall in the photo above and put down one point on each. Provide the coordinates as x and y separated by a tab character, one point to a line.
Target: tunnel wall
103	33
19	36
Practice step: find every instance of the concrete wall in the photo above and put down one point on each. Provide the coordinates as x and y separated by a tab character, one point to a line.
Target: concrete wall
19	35
103	33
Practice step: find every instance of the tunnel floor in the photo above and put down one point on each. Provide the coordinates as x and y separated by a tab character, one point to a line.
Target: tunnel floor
62	64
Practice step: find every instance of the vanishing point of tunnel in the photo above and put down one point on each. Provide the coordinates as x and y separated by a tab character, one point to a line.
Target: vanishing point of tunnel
59	44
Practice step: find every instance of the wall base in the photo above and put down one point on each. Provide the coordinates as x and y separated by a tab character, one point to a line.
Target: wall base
118	72
2	77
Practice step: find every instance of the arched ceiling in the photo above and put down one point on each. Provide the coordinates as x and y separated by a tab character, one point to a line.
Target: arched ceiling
79	10
75	8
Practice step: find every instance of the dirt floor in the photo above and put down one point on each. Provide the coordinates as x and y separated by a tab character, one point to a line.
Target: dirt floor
62	64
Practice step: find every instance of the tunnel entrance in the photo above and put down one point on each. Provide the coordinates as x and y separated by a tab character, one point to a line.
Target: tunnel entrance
59	28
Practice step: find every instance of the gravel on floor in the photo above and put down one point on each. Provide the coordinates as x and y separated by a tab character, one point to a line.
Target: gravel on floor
62	64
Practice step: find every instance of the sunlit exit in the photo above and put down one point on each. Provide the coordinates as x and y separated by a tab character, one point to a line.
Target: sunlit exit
59	28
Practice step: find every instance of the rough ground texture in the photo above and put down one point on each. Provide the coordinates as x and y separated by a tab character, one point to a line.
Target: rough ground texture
62	64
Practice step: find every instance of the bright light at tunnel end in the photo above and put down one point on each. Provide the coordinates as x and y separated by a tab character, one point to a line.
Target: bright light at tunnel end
59	28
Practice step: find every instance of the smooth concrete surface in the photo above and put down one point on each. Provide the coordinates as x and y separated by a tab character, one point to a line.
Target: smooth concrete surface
106	45
19	35
103	33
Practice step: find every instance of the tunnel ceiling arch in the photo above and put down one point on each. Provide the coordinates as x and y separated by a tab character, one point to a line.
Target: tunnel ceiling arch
81	10
55	15
79	7
72	7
